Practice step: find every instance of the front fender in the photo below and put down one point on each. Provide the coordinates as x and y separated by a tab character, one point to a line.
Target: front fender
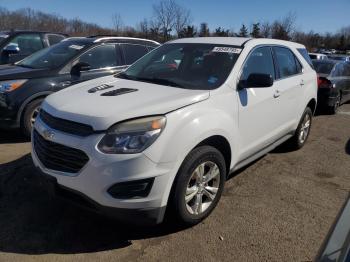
189	126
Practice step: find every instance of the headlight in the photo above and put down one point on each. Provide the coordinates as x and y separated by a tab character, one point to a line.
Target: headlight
132	136
10	85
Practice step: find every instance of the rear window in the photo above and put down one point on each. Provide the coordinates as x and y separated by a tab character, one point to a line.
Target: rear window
306	56
322	67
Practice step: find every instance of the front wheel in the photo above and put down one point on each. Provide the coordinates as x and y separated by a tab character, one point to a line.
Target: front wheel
30	113
302	133
199	185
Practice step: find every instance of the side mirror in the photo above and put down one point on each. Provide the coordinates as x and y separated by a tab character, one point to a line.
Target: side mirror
256	81
11	49
78	68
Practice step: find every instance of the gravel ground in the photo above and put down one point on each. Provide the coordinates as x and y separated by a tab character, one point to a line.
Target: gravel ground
279	208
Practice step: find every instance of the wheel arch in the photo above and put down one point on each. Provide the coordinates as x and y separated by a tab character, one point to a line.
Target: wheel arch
29	100
222	145
312	105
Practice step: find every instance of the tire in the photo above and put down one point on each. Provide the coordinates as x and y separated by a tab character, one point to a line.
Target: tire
188	181
334	109
29	115
299	140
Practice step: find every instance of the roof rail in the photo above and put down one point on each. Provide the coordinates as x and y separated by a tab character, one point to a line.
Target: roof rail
73	37
124	38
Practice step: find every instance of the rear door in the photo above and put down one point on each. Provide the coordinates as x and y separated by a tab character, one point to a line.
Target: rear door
259	112
289	88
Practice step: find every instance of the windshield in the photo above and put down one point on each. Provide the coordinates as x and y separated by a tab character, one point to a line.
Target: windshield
190	66
323	68
54	56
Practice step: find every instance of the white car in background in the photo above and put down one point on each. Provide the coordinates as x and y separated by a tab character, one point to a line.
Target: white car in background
166	133
317	56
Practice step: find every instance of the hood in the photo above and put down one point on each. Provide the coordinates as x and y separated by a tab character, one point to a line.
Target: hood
9	72
105	101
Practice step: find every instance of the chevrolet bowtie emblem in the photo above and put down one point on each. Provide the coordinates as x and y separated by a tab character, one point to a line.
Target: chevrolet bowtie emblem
48	134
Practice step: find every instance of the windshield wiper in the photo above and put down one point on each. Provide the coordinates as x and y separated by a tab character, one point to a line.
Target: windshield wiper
160	81
153	80
25	66
124	76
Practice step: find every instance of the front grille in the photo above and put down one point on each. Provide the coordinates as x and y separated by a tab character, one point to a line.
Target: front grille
66	126
58	157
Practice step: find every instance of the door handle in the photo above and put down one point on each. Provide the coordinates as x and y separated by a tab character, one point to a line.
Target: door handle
302	83
276	94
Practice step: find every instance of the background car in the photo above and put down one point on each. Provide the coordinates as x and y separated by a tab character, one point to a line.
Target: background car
16	45
340	58
318	56
333	83
23	86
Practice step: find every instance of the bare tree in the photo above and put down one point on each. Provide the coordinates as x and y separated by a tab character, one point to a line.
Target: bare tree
265	29
117	23
164	15
284	28
182	18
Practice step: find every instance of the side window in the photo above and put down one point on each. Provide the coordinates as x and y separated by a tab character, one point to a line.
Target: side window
27	43
100	57
54	39
133	52
259	62
307	57
286	62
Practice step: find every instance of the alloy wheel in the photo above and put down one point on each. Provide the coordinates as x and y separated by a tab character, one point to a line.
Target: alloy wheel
305	128
202	188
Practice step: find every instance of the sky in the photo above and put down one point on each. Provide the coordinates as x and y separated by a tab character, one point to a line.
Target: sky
317	15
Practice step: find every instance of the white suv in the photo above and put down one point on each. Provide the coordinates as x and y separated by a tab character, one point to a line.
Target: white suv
167	132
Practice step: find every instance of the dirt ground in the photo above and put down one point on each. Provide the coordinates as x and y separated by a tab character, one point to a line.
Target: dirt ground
280	208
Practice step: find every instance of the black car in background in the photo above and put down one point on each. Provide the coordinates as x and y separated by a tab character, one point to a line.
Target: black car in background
16	45
24	86
333	83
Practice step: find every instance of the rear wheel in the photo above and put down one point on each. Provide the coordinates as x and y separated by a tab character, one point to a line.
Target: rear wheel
302	133
30	113
199	185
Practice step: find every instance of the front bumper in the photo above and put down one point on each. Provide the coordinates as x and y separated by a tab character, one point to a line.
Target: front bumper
104	170
141	216
8	114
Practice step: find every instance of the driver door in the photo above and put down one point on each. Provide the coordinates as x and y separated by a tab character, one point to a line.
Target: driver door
258	107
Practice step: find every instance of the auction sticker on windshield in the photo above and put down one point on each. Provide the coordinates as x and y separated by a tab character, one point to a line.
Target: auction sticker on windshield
223	49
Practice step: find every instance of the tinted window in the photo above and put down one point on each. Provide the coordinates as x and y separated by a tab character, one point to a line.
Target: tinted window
313	56
53	56
189	66
100	57
27	43
286	62
322	67
133	52
306	55
54	39
260	62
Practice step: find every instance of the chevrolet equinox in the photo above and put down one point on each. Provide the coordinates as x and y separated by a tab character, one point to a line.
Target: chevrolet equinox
167	132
